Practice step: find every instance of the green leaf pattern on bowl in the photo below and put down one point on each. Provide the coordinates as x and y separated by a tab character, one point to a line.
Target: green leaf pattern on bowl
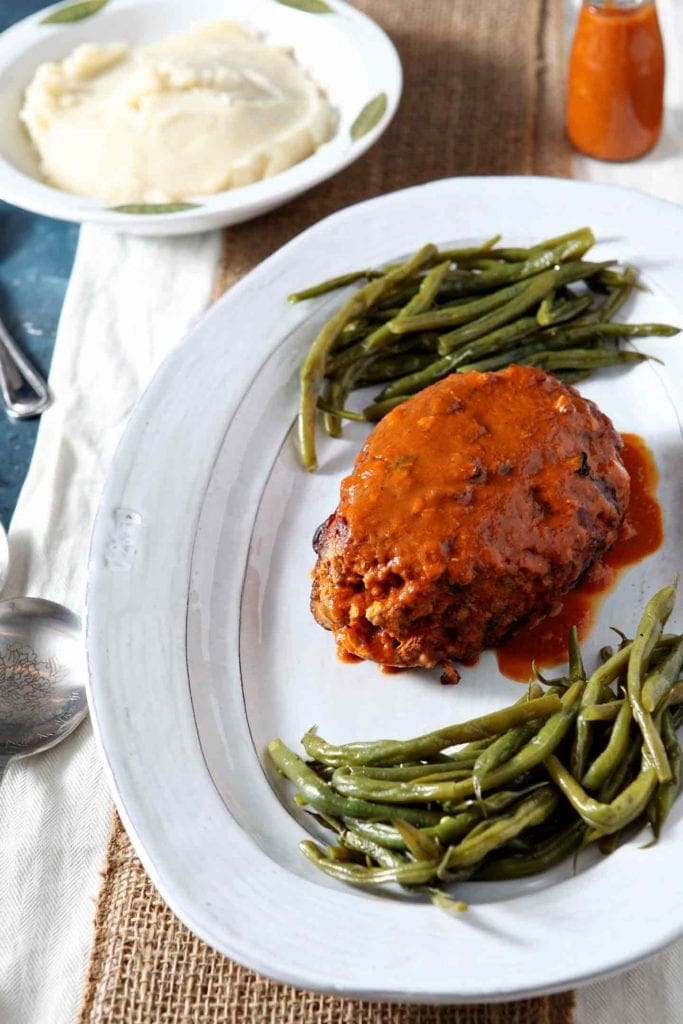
310	6
370	116
74	12
153	208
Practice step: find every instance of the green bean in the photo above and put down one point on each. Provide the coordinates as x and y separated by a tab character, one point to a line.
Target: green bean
665	794
624	772
360	844
460	312
660	681
392	752
544	315
591	695
569	309
614	752
376	410
337	391
615	664
403	773
420	846
559	683
606	712
413	791
381	370
616	278
313	367
381	316
611	817
517	254
451	827
576	670
457	255
442	901
548	737
650	627
420	342
571	247
382	337
546	855
614	302
530	755
541	346
422	300
596	333
408	873
386	835
572	377
476	746
324	799
502	339
675	694
533	292
486	806
397	298
502	359
345	414
608	844
501	750
530	811
426	293
622	288
584	358
332	284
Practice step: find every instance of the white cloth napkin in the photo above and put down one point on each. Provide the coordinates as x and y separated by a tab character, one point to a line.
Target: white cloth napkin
129	301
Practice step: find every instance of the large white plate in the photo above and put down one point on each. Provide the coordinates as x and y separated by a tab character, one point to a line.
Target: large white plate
346	53
202	647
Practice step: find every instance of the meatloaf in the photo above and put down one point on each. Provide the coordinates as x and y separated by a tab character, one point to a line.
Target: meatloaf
471	509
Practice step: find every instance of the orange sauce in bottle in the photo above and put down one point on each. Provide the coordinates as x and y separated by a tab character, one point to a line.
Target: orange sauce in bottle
640	534
616	79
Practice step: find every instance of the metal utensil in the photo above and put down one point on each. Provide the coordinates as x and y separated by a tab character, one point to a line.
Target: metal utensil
23	390
4	557
42	676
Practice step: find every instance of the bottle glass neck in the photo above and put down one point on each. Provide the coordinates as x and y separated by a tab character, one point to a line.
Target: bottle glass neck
617	5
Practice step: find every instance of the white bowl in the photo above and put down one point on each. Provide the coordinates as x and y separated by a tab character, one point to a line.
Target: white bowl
346	53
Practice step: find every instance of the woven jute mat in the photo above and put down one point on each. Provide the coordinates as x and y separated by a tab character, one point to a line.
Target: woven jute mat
483	95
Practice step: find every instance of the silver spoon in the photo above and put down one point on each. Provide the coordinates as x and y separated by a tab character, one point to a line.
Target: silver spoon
42	676
17	377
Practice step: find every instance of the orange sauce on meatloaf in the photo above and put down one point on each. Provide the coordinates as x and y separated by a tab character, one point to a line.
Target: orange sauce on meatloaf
469	508
640	534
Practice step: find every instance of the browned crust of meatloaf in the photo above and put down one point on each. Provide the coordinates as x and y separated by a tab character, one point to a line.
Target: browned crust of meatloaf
471	508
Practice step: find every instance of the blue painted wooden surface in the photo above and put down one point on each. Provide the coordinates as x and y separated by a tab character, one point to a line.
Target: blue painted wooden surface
36	256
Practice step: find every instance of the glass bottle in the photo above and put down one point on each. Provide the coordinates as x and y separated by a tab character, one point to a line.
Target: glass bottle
615	92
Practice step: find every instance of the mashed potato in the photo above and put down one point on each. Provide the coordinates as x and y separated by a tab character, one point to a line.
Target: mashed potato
194	114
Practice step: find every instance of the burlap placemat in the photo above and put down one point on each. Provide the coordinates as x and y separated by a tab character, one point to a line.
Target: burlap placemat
483	95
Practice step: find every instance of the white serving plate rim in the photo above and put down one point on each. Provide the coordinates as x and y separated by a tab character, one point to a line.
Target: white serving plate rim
109	655
375	48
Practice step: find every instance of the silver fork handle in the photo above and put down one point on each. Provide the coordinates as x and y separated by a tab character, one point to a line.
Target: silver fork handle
16	375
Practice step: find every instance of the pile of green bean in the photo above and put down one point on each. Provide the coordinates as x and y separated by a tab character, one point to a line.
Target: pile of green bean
580	759
454	310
